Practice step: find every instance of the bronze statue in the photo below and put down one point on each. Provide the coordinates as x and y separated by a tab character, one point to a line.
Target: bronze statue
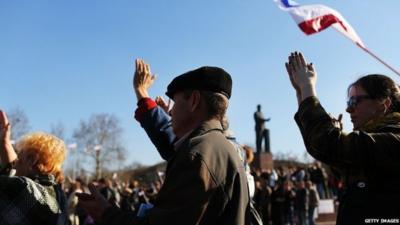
261	131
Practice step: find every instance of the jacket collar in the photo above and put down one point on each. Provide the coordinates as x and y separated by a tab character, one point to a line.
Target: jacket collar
206	127
44	179
203	128
391	119
181	140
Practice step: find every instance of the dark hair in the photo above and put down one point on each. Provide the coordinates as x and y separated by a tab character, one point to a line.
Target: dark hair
380	87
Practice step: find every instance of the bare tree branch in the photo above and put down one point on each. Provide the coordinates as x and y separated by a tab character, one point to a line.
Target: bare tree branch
19	122
102	132
58	130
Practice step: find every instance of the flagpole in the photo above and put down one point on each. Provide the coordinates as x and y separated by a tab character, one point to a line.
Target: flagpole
370	53
379	59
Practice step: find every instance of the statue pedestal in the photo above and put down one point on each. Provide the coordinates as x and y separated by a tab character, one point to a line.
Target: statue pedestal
263	161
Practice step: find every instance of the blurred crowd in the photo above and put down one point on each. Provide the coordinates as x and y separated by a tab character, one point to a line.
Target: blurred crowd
283	195
128	196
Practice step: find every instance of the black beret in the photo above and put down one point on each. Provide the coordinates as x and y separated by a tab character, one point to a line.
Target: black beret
206	78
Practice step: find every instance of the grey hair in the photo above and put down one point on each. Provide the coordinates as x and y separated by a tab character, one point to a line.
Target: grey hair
217	104
225	122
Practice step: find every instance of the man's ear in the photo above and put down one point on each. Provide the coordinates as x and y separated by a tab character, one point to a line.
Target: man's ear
387	103
195	100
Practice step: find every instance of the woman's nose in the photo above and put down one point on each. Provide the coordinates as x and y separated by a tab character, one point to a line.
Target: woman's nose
349	109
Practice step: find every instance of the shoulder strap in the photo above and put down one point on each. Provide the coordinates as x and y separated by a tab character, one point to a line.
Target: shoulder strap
252	215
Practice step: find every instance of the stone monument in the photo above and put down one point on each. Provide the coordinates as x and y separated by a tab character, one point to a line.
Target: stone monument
262	157
262	133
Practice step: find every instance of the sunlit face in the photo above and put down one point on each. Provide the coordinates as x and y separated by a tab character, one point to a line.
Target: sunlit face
180	114
363	108
24	164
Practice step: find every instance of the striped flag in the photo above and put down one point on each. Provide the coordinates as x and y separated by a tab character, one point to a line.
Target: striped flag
315	18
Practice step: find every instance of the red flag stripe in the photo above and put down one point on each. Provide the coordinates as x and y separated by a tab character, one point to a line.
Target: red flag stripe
319	23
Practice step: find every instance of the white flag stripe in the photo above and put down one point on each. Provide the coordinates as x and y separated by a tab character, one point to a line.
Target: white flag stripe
315	18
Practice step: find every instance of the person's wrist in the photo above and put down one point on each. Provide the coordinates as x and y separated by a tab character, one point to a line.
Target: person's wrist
298	91
308	91
8	154
298	95
141	93
306	85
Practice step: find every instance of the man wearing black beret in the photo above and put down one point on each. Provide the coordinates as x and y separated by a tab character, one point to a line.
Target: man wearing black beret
205	181
206	78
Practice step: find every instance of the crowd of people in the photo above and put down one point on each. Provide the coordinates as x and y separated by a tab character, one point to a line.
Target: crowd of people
208	180
282	195
128	196
290	195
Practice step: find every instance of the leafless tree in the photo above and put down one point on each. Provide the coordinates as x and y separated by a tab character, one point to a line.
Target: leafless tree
19	122
100	136
58	130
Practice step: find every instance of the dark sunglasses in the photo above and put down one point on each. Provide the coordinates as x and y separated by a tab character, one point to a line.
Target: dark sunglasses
354	100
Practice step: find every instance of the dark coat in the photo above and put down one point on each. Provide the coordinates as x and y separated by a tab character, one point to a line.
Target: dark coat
35	200
368	161
205	183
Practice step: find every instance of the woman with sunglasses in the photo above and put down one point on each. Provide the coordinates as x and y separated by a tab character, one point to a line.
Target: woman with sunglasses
368	159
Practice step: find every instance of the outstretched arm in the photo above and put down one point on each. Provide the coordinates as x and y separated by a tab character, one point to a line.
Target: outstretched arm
153	115
157	124
7	152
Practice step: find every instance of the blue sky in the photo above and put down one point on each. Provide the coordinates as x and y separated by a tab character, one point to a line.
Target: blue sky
61	61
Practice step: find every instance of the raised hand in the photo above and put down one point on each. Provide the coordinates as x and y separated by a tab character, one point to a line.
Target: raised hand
94	204
302	76
165	106
338	122
7	153
143	79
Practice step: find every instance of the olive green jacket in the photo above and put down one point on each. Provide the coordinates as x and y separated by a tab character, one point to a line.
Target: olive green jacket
205	184
368	161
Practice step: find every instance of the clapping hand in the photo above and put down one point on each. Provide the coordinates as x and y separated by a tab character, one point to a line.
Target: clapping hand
7	153
337	122
94	203
161	102
143	79
302	75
